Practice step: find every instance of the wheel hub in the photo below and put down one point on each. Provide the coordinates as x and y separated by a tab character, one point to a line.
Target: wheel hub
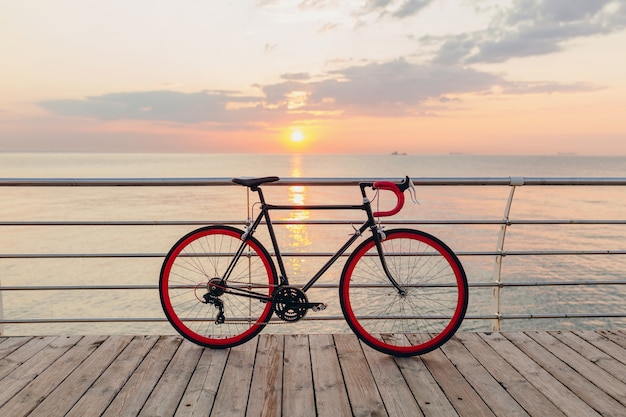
216	287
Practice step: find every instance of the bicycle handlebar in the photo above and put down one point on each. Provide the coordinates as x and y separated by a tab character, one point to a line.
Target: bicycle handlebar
397	189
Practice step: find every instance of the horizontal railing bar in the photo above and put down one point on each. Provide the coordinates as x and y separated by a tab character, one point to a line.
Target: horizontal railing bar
543	316
79	255
186	182
84	320
243	222
561	316
113	182
589	283
562	221
310	318
563	252
117	223
304	222
77	287
308	254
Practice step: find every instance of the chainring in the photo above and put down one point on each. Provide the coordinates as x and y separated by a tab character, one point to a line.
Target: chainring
290	303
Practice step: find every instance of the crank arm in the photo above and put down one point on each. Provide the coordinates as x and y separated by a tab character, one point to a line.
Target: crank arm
311	306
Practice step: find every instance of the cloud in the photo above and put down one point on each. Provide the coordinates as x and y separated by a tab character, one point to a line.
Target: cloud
394	88
222	107
316	4
268	48
386	88
295	76
397	9
410	8
398	88
532	27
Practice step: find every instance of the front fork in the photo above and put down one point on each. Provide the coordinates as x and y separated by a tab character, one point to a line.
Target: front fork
379	236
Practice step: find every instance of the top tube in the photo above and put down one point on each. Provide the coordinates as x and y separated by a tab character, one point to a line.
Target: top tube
397	188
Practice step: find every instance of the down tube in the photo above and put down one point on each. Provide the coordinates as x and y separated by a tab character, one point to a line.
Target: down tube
336	256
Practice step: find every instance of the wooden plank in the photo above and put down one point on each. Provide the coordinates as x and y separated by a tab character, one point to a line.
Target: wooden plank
592	353
105	388
460	393
360	384
393	389
200	393
135	392
11	344
298	393
39	388
165	397
493	394
21	355
615	337
427	392
529	397
232	396
36	364
515	350
69	391
601	390
265	398
331	398
605	344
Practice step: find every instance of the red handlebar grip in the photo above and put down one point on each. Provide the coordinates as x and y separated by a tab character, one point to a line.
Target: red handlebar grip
391	186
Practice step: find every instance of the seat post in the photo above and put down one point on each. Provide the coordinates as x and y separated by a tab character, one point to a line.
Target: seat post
260	192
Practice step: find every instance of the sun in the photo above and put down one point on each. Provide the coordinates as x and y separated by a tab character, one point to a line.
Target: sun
297	136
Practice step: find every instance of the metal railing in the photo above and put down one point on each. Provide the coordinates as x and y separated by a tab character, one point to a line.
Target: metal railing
494	314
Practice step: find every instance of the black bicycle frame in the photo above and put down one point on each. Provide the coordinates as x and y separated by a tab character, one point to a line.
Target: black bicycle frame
264	214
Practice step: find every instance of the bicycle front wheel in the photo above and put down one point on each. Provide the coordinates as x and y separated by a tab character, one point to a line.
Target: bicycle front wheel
200	303
424	313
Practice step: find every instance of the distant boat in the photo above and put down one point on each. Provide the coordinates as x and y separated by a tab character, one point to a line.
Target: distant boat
396	153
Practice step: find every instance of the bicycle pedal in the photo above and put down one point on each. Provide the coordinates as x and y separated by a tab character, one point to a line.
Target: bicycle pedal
319	307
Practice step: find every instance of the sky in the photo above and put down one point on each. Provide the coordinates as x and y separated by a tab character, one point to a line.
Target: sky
316	76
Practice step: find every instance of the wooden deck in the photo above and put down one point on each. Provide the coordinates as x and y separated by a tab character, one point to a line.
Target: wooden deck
475	374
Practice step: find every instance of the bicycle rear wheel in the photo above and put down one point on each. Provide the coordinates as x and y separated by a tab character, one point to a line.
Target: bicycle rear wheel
422	318
192	291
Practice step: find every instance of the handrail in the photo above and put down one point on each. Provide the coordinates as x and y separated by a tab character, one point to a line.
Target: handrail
291	222
499	253
319	285
312	181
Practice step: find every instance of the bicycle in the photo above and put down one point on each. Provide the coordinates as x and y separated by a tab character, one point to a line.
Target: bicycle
403	291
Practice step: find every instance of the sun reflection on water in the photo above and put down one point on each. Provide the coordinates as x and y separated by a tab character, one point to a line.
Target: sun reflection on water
297	233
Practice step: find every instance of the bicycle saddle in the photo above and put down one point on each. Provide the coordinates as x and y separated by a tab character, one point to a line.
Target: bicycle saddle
254	182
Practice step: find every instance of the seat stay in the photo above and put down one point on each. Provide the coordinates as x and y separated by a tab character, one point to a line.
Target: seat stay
244	238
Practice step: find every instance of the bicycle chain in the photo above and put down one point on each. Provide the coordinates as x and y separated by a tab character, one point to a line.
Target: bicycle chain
290	303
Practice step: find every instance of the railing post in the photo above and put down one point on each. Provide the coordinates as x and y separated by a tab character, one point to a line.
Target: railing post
497	270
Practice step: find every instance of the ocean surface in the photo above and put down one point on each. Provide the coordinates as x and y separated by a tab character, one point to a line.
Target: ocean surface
210	204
